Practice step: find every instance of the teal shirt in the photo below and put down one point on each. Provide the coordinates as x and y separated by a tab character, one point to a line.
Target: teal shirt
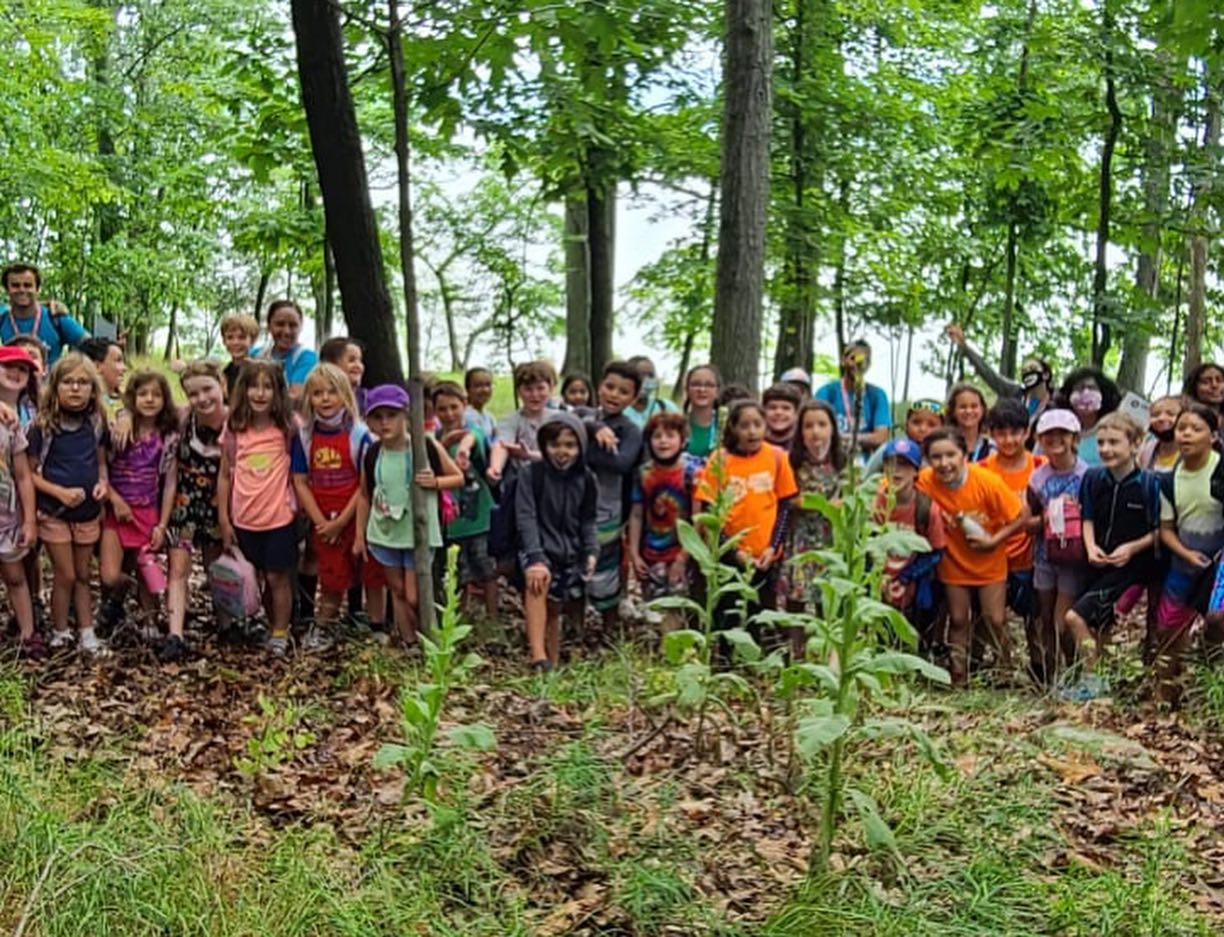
390	523
475	500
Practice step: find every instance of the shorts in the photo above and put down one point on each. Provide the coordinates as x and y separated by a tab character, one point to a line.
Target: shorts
79	533
392	557
271	551
373	576
134	535
604	589
1172	614
566	585
1065	580
1096	604
475	564
657	585
337	566
1021	598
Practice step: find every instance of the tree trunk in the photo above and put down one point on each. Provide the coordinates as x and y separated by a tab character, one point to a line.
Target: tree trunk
601	238
577	288
351	226
328	314
739	285
839	274
423	555
261	292
1196	306
1102	313
1007	354
171	333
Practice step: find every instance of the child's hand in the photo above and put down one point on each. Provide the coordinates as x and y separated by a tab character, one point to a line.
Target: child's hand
122	510
158	538
956	333
766	559
605	438
121	431
427	479
1201	560
588	570
640	566
72	497
29	533
493	475
1098	557
453	436
677	572
359	546
8	416
463	460
330	531
1121	556
516	449
981	544
538	578
894	591
101	490
227	535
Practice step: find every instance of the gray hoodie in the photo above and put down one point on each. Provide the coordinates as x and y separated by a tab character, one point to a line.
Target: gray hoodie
555	510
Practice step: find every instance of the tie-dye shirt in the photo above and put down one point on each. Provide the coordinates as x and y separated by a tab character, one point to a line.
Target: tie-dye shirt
665	493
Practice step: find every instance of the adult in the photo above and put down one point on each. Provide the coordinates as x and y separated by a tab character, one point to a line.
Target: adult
1205	385
1090	395
284	329
648	401
26	315
871	406
1035	387
701	388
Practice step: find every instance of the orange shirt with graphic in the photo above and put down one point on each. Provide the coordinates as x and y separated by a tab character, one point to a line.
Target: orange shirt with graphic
758	483
985	497
1019	544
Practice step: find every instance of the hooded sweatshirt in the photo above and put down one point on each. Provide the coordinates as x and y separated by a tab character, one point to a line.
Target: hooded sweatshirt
614	471
555	510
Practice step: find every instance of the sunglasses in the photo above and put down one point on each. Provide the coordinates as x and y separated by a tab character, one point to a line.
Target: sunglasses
927	406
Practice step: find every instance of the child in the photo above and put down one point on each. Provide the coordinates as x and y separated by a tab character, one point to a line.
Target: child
967	412
194	521
326	476
555	505
984	513
1012	462
107	356
648	402
662	496
27	402
1054	490
385	531
701	389
781	404
255	504
348	355
516	434
142	493
1121	518
1192	530
909	579
816	459
921	419
613	454
577	394
760	483
478	382
470	528
238	334
18	520
66	446
1160	453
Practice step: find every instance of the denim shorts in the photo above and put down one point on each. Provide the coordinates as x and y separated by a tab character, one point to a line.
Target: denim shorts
392	557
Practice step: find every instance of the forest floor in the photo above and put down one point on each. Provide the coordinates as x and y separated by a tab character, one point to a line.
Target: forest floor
232	796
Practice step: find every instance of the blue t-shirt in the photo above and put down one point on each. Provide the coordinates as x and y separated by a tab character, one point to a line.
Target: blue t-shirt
299	361
876	412
56	332
72	462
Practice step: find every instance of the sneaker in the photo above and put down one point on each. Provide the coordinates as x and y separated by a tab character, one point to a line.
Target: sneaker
541	666
173	649
32	648
278	646
60	640
317	640
1088	687
93	645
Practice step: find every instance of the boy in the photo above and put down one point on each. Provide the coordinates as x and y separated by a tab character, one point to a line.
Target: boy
1012	462
238	334
1057	585
662	495
516	434
781	402
909	580
478	382
555	507
107	356
616	446
921	419
470	529
1121	517
648	402
798	379
348	355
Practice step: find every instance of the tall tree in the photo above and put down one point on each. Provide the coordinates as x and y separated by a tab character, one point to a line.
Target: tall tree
1103	313
1207	165
352	229
735	341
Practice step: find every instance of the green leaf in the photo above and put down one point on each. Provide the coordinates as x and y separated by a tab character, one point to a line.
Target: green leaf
815	733
678	645
743	646
691	682
693	545
879	833
476	737
899	662
391	755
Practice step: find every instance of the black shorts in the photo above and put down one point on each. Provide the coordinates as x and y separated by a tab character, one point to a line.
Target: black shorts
1096	604
1020	593
475	564
270	551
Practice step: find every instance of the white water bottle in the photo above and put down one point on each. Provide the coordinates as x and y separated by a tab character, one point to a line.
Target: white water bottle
971	528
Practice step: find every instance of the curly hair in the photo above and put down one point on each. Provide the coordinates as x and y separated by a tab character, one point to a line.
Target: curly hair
1111	397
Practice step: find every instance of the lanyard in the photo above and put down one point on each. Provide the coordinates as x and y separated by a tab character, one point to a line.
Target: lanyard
847	409
37	322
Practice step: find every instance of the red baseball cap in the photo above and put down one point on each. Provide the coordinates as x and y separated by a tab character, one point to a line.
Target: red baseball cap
10	354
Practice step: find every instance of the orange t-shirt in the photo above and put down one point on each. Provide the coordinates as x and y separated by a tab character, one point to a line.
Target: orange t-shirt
1019	544
757	483
986	497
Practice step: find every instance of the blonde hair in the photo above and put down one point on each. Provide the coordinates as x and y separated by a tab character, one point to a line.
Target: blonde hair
50	416
328	375
240	320
1121	423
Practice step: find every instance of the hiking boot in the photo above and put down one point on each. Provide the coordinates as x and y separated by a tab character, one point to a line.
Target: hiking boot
173	650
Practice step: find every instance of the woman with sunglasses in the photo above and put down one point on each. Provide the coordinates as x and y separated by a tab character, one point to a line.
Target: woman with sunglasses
1035	387
923	417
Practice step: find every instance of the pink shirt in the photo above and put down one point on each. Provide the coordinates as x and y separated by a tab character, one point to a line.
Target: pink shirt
261	498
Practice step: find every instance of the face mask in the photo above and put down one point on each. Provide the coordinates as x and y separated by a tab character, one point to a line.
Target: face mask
1030	379
650	387
1087	400
1165	435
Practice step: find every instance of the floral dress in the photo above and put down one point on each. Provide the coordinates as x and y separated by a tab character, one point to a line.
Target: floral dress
194	521
809	530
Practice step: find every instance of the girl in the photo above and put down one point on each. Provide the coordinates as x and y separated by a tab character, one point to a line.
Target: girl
18	520
348	355
66	444
384	510
1205	385
1192	530
1089	394
142	491
326	476
284	329
255	503
194	522
701	388
981	512
967	412
759	484
577	393
1160	452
